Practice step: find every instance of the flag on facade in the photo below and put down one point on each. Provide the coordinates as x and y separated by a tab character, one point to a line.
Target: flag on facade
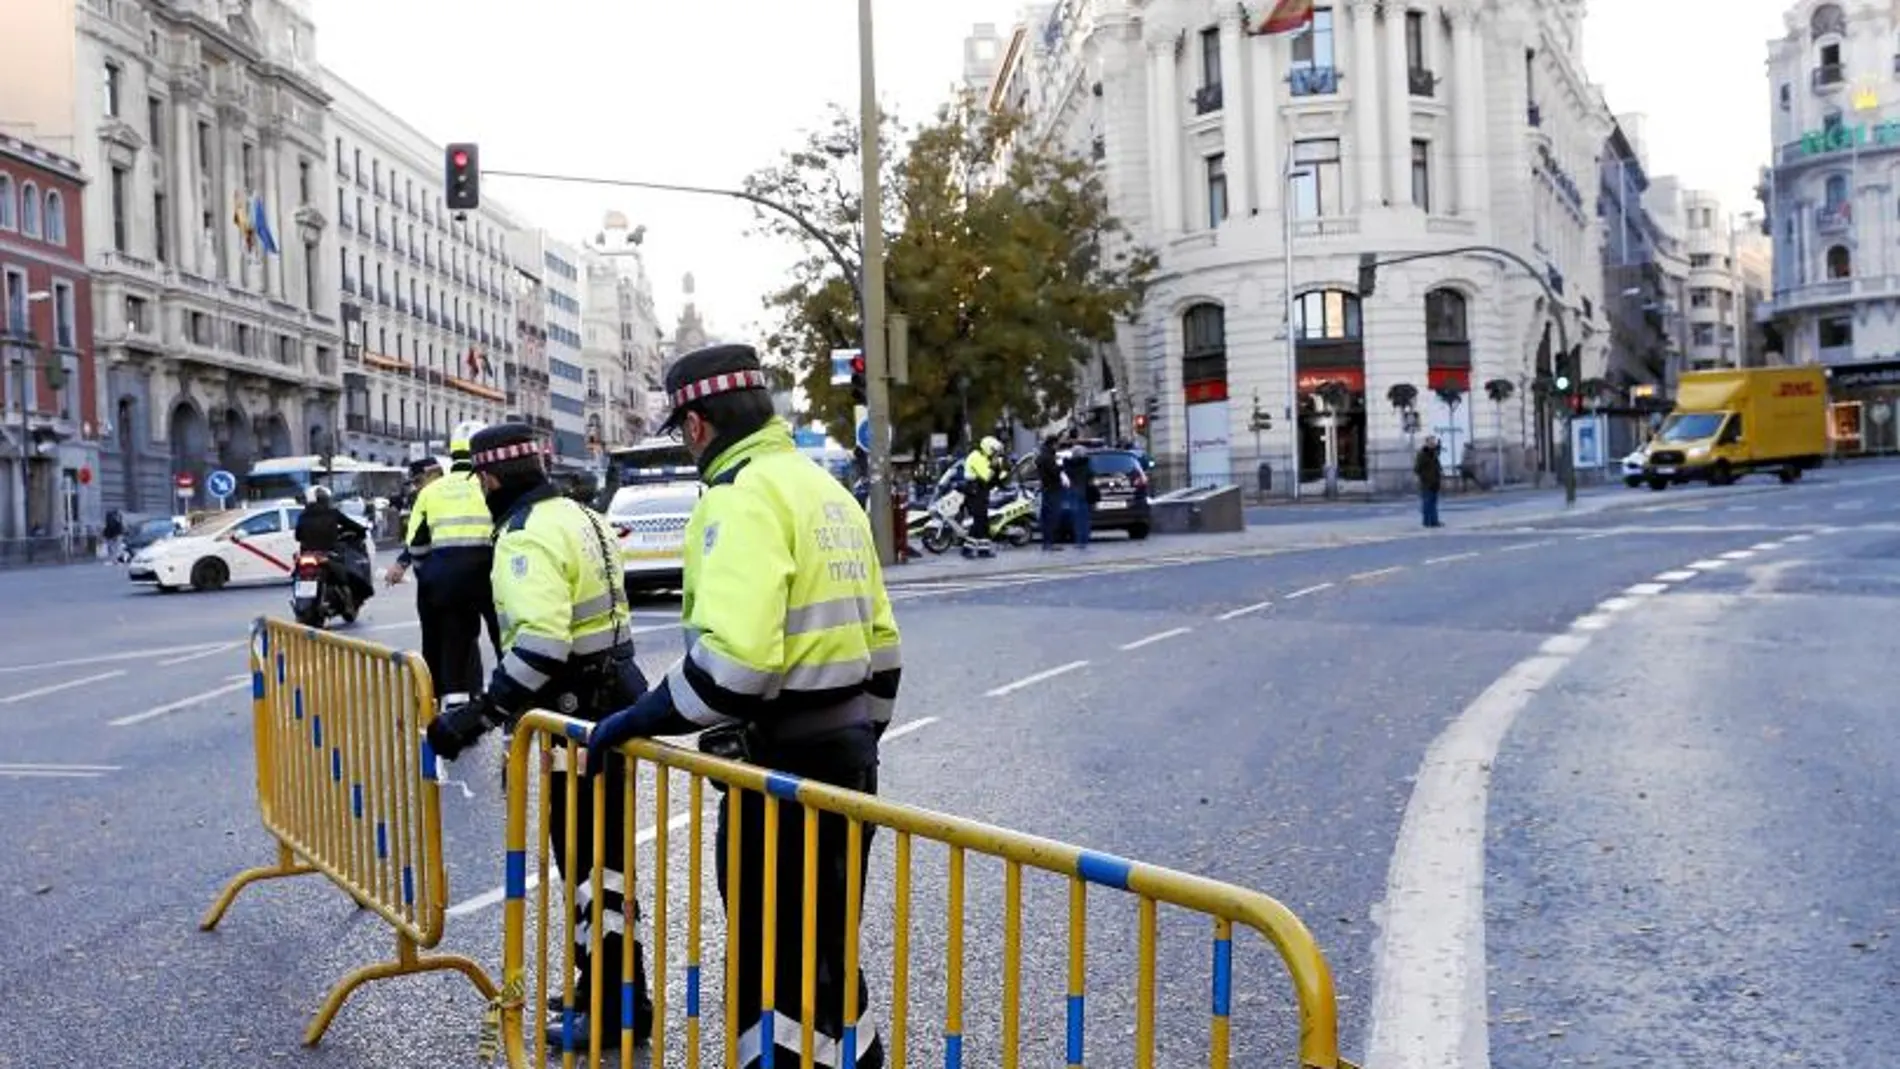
260	226
488	369
242	218
1286	16
474	363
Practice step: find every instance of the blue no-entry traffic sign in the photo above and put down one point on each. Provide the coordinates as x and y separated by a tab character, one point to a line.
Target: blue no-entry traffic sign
221	483
864	434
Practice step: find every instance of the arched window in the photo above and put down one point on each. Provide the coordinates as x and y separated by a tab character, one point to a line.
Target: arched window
1326	315
1327	329
1840	262
7	220
1836	190
1448	340
30	210
1204	353
55	217
1827	19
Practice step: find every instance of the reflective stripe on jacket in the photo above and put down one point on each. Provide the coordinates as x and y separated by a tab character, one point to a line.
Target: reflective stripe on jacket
558	595
785	608
449	513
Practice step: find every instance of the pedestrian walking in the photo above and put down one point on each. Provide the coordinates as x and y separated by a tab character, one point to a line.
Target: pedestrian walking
1431	477
113	532
793	664
450	544
1049	478
568	646
1081	494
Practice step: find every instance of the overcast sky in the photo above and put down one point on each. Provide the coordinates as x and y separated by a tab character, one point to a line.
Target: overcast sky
705	93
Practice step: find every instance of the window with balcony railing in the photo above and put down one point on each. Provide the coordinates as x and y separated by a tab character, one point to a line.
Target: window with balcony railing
1828	75
1313	81
1421	82
1833	218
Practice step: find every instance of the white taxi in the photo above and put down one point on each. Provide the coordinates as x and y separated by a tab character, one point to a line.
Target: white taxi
651	524
257	544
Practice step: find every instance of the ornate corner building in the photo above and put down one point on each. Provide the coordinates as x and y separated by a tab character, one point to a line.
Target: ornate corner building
1830	195
428	300
200	127
1394	128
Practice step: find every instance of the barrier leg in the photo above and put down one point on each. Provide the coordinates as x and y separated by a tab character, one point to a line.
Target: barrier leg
407	963
287	865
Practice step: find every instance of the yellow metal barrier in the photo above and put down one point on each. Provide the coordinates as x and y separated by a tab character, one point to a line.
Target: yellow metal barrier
524	1006
347	786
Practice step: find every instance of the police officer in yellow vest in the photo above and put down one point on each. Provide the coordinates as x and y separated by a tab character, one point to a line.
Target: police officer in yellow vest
568	642
449	542
985	467
792	663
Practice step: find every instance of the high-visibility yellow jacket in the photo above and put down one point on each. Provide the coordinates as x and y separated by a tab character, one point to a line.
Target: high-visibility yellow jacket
558	595
786	616
449	515
977	467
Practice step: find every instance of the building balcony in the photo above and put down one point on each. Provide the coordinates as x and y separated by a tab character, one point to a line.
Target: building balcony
1313	81
1827	293
1421	82
1207	99
1828	76
1533	114
1834	218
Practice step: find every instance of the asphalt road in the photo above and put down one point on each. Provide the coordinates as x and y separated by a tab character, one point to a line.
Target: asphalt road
1262	718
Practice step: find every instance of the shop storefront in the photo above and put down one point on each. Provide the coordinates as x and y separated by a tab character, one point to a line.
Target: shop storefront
1864	408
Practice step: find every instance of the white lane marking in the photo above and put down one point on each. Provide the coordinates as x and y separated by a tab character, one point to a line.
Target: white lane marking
646	835
1644	590
183	703
1159	636
1565	645
30	771
1676	576
1453	557
55	688
1374	574
1599	534
1615	604
1429	992
107	658
1030	681
1309	590
1245	610
1741	508
1797	538
1761	546
1709	565
1738	554
1523	545
201	654
1592	622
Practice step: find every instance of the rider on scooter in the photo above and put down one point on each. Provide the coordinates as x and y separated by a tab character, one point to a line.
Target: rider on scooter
341	538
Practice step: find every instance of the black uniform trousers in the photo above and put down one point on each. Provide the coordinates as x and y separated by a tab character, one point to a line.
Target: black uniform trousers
453	600
848	759
978	494
617	687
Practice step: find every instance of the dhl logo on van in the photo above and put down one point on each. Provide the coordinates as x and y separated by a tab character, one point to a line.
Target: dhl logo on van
1797	389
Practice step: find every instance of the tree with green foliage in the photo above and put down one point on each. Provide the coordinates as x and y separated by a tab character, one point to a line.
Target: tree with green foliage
1003	254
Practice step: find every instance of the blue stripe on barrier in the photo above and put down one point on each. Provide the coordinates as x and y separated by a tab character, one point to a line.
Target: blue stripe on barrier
692	991
296	702
408	886
781	786
626	1006
263	637
382	840
516	879
316	731
767	1048
356	799
567	1029
1223	976
397	656
576	731
848	1043
953	1051
428	762
1105	869
280	668
257	685
336	765
1075	1030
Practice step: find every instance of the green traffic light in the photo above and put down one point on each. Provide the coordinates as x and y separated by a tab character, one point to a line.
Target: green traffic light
1563	382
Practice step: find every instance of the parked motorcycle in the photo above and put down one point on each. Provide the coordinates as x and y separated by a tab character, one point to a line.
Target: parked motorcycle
947	522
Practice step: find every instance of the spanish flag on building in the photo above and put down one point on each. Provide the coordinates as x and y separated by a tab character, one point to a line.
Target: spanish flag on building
1285	16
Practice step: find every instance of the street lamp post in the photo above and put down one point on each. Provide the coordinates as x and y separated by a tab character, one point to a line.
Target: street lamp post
24	351
1292	343
871	292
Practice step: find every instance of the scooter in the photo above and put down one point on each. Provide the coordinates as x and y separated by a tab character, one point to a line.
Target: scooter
321	590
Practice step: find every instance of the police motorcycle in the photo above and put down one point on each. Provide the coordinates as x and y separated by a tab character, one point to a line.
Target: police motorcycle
946	521
327	586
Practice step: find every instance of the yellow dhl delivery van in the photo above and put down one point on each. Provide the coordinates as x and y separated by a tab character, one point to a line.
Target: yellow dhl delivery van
1727	424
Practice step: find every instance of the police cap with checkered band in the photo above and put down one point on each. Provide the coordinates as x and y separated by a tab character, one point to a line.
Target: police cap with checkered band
708	372
506	449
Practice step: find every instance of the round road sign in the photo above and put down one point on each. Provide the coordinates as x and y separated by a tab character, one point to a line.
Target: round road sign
221	483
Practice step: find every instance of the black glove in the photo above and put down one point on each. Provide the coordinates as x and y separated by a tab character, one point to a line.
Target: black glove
460	726
653	714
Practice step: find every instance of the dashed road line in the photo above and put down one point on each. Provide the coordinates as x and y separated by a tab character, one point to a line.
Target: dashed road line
108	658
1760	547
1646	590
55	688
1738	554
1374	574
1451	558
1523	546
201	654
21	771
1709	565
1159	636
1676	576
1309	590
1032	680
184	703
1245	610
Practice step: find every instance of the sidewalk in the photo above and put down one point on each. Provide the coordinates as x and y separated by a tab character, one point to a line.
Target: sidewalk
1534	507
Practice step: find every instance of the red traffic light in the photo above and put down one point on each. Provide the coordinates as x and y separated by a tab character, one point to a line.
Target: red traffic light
1141	424
460	158
857	364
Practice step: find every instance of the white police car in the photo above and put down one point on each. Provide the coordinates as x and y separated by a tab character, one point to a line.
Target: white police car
651	524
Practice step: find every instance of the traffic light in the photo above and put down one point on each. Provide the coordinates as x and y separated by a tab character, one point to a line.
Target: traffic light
1368	272
1141	423
462	183
857	378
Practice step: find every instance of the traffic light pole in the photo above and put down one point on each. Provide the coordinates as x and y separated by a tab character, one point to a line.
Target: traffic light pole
877	383
1557	307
